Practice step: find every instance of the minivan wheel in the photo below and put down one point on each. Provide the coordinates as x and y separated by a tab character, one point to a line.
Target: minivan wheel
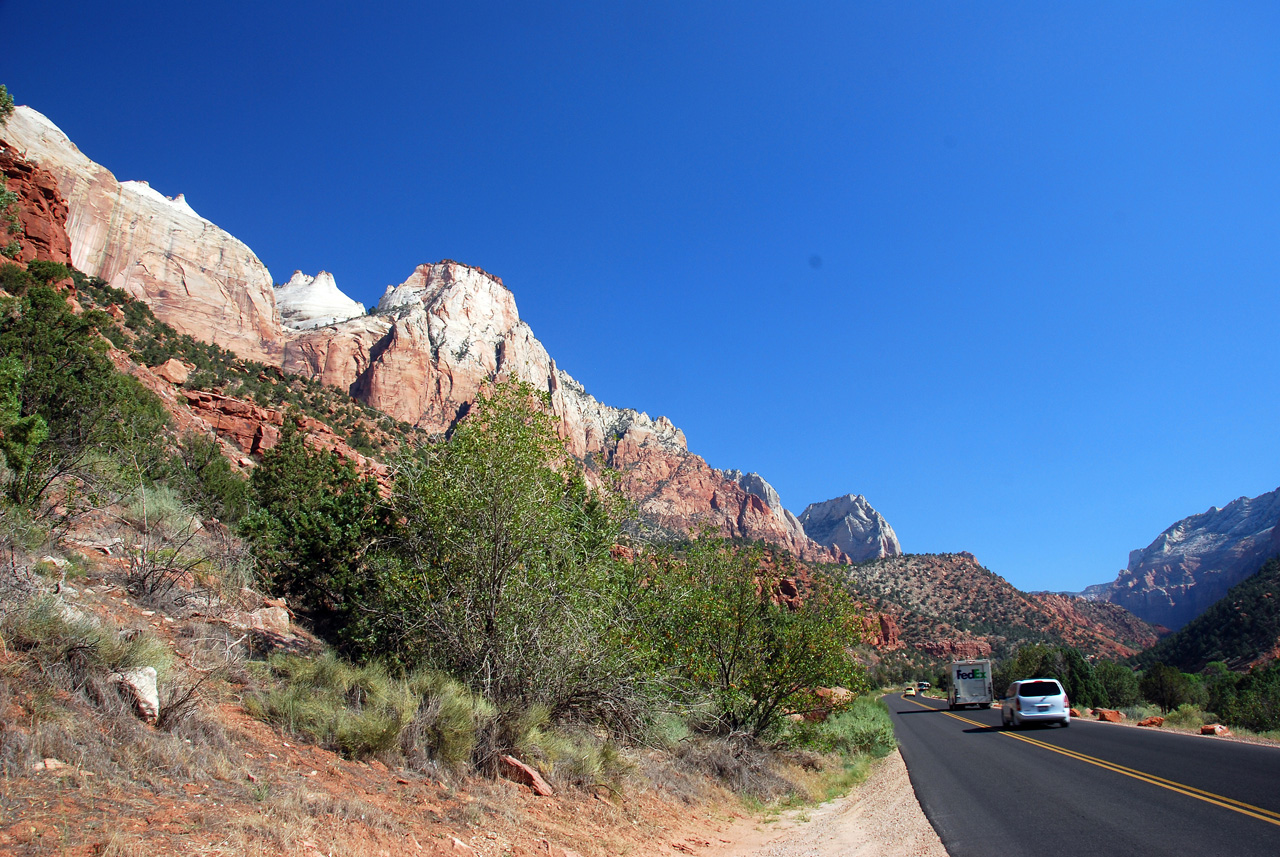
1066	722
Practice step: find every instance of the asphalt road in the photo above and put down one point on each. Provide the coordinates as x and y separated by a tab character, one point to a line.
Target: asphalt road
1092	788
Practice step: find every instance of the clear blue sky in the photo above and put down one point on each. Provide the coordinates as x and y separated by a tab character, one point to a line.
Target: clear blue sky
1009	270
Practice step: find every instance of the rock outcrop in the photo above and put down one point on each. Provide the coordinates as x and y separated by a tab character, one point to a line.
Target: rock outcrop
195	276
754	483
850	525
40	210
1193	563
306	303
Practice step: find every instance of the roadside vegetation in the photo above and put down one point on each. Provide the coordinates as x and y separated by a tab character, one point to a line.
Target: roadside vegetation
484	600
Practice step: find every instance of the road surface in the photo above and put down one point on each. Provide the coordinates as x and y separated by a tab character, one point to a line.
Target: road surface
1093	788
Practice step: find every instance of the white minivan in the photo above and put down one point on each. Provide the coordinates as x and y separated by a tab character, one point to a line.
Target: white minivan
1035	700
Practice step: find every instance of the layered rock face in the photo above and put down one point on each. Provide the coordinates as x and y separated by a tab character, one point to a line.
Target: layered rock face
306	303
1193	563
850	525
436	338
40	209
195	276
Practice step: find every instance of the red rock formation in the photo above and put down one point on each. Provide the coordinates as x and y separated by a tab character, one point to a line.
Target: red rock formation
1103	627
436	339
41	211
956	649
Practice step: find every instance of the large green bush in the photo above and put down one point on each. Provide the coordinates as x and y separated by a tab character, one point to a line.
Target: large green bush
722	626
502	573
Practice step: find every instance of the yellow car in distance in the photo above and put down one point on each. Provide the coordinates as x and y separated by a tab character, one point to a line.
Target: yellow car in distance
911	691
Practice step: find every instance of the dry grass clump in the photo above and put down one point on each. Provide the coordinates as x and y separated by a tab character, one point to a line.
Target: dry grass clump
357	711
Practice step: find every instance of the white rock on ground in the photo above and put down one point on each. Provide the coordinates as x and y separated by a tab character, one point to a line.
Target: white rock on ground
142	685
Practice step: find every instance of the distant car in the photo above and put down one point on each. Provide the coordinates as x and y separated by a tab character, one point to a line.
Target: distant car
923	685
911	691
1035	700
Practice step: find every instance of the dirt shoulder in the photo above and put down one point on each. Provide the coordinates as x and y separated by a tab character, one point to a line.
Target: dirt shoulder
880	816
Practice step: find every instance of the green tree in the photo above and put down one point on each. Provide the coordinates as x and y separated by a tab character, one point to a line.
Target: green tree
726	629
503	574
1119	684
6	104
57	371
1165	686
1257	702
314	522
1064	663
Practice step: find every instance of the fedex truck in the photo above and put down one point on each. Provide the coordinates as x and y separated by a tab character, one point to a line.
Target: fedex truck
970	684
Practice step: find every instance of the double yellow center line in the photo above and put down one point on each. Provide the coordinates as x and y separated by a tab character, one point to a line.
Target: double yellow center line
1190	791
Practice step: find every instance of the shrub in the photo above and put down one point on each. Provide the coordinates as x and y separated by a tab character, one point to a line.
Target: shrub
1187	716
314	521
502	574
720	623
357	711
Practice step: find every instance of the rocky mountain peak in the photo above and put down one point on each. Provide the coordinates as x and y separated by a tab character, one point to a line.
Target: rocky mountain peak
310	302
850	524
1195	561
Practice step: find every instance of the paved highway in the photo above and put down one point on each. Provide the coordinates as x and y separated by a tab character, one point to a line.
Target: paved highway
1092	788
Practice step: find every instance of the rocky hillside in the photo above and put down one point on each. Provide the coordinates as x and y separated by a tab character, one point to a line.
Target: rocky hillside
1242	628
420	356
948	605
1192	564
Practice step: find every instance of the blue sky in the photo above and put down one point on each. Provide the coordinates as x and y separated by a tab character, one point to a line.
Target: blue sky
1008	270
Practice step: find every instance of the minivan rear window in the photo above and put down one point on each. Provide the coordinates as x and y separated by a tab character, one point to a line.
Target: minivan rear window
1039	688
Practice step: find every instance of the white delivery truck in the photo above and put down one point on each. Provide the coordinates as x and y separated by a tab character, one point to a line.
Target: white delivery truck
970	684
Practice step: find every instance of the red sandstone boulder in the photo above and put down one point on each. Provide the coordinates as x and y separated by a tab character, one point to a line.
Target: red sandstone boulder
171	370
1214	729
1109	716
518	772
1152	721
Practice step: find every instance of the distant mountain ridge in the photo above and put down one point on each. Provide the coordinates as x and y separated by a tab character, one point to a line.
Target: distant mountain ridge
1193	563
949	605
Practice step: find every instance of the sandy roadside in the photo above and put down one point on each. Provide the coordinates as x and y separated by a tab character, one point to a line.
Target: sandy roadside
880	816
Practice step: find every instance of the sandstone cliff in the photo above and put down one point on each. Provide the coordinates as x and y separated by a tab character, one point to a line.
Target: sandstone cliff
1193	563
435	339
850	525
195	276
40	209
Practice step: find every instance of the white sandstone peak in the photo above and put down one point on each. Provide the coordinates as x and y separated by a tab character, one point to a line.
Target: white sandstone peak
307	302
852	525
